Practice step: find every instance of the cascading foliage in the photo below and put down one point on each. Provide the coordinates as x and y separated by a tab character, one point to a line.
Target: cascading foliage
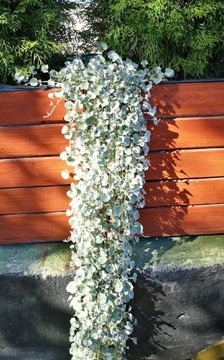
106	153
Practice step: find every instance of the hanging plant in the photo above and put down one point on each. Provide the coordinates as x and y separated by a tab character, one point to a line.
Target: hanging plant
105	102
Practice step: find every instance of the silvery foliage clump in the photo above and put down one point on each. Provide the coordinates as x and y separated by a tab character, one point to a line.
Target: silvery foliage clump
106	158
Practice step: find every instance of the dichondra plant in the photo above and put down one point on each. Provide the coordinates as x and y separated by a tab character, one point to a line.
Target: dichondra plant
107	134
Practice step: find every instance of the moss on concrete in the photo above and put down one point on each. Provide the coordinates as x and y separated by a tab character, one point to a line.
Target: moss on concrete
184	252
52	259
35	259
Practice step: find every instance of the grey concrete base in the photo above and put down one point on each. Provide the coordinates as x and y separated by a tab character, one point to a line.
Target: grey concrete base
179	310
34	354
34	318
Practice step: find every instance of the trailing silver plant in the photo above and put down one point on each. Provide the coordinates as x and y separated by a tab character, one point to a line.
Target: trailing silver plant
106	101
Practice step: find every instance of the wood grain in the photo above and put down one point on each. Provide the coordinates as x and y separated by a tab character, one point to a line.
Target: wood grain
158	194
167	221
185	164
185	188
43	171
33	228
29	107
183	220
181	133
189	99
163	165
34	200
184	192
32	140
179	99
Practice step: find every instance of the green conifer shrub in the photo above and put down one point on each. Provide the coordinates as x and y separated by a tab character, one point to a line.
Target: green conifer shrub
186	35
33	32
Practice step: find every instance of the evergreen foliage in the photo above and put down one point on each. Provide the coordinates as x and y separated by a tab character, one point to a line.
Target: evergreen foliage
186	35
32	32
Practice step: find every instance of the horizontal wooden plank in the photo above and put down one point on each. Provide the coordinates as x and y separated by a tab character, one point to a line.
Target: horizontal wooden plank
179	99
158	193
33	228
185	164
184	192
182	164
170	221
185	220
43	171
181	133
189	99
29	107
32	140
34	200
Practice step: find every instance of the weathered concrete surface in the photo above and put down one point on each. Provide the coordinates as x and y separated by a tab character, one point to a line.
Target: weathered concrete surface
178	312
52	259
34	314
34	354
179	252
43	259
179	299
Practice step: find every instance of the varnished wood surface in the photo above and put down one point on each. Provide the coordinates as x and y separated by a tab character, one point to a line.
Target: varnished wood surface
29	107
178	99
183	220
184	192
34	199
158	194
185	182
25	228
180	133
187	133
32	140
185	164
165	221
43	171
189	99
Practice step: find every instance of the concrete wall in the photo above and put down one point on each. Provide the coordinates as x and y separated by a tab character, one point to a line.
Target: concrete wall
179	299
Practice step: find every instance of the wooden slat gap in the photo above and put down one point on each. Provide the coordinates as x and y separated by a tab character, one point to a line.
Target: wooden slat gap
188	116
185	150
37	186
182	180
32	125
181	207
181	149
36	213
36	156
61	211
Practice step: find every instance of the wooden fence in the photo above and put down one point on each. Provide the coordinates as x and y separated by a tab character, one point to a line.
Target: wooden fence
185	182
